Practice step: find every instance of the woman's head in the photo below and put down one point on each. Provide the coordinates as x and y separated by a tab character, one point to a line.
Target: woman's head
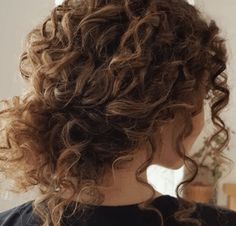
105	78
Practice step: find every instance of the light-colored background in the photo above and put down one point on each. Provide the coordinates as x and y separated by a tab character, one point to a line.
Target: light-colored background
18	17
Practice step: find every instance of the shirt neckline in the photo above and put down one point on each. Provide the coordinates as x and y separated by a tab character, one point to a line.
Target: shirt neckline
157	199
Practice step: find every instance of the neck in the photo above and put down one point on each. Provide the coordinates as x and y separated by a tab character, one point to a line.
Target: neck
122	187
126	190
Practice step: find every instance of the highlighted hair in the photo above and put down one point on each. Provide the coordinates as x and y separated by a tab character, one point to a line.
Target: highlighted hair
103	76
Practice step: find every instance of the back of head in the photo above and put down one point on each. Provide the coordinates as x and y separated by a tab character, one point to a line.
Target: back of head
104	76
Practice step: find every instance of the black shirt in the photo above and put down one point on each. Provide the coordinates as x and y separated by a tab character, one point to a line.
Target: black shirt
128	215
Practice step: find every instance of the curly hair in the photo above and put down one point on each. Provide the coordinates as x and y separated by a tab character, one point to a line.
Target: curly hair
103	76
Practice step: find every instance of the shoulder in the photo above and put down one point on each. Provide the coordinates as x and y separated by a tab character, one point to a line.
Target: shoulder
208	214
18	216
215	215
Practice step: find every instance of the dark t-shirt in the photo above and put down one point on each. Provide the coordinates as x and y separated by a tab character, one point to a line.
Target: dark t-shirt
128	215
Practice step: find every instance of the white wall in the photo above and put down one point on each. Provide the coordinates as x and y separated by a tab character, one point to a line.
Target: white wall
16	19
224	14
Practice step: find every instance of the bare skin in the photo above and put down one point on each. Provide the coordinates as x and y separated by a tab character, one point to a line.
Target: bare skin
126	190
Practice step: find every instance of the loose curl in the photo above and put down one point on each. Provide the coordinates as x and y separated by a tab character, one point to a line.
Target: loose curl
102	77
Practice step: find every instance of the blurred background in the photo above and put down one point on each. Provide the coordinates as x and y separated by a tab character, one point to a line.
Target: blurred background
17	18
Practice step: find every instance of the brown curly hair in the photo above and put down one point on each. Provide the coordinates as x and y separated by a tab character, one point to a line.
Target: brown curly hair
103	76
